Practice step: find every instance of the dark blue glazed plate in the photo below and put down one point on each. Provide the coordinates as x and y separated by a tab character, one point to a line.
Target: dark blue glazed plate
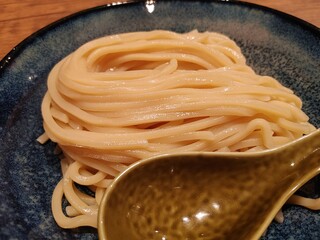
274	43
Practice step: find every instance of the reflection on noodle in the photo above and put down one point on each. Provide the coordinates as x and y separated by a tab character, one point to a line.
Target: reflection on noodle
126	97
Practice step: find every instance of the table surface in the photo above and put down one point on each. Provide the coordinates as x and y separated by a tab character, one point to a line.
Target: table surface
19	19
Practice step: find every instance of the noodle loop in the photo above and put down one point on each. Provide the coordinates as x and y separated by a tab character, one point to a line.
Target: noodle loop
126	97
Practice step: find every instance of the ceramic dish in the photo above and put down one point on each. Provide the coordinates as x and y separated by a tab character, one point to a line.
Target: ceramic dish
274	43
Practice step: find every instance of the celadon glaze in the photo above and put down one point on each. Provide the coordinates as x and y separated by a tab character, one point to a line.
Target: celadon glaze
208	195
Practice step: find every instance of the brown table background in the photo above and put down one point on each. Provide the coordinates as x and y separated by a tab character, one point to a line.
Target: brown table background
20	18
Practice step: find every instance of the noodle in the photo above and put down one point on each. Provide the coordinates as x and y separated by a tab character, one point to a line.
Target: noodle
126	97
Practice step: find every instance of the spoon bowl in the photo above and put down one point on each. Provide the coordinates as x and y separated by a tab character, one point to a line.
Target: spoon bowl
206	195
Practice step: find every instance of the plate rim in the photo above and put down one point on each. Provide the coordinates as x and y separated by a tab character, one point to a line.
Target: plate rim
10	57
6	61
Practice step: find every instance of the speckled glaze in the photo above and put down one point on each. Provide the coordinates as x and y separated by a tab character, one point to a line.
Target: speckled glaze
274	43
206	196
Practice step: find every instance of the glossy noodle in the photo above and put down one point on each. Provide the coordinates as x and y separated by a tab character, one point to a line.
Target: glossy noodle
126	97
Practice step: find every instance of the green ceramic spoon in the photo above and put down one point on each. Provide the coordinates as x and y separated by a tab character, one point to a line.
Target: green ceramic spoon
206	195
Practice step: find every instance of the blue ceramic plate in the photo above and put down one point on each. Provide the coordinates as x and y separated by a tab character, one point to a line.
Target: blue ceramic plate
275	44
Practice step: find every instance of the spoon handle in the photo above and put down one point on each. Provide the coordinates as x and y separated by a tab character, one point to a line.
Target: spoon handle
310	163
302	159
306	144
302	152
289	167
